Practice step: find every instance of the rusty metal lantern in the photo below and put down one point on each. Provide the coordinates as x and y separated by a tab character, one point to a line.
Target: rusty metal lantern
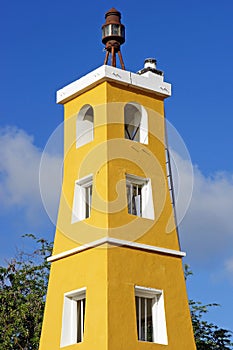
113	36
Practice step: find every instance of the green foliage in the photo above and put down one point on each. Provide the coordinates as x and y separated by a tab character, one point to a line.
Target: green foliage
23	286
207	335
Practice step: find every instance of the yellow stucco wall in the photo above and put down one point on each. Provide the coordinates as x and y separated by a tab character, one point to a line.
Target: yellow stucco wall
89	270
110	274
109	157
127	268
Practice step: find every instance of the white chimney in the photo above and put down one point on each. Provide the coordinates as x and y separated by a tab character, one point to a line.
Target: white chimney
150	63
150	66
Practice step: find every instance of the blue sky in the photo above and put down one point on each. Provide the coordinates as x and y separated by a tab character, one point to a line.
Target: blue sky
46	45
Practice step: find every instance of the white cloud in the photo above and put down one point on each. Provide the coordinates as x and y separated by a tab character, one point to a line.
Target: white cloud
207	228
50	183
19	173
19	160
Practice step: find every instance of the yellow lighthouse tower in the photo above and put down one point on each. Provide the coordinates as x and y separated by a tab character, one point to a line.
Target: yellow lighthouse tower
116	280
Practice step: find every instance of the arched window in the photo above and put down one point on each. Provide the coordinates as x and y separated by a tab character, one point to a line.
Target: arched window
84	126
136	123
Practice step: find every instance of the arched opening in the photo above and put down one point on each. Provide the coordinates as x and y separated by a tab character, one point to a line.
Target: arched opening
85	126
136	123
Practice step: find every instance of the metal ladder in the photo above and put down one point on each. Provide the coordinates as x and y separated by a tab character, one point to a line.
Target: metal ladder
169	176
170	180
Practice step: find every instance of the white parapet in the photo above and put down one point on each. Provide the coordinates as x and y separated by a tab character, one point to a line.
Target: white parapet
148	81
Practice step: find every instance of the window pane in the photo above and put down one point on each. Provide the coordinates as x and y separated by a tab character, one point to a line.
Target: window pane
88	200
89	115
149	321
116	29
79	336
134	198
80	319
84	126
138	204
134	194
144	319
132	122
129	198
132	132
138	314
84	308
107	30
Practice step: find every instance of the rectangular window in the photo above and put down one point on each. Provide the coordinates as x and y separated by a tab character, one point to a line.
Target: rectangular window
139	196
73	317
82	199
134	196
144	318
151	323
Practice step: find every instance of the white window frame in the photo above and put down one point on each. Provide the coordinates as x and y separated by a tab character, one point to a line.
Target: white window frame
159	335
144	203
84	126
82	201
139	120
70	321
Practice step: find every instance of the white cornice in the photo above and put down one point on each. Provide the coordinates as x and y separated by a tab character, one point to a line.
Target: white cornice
149	81
116	242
